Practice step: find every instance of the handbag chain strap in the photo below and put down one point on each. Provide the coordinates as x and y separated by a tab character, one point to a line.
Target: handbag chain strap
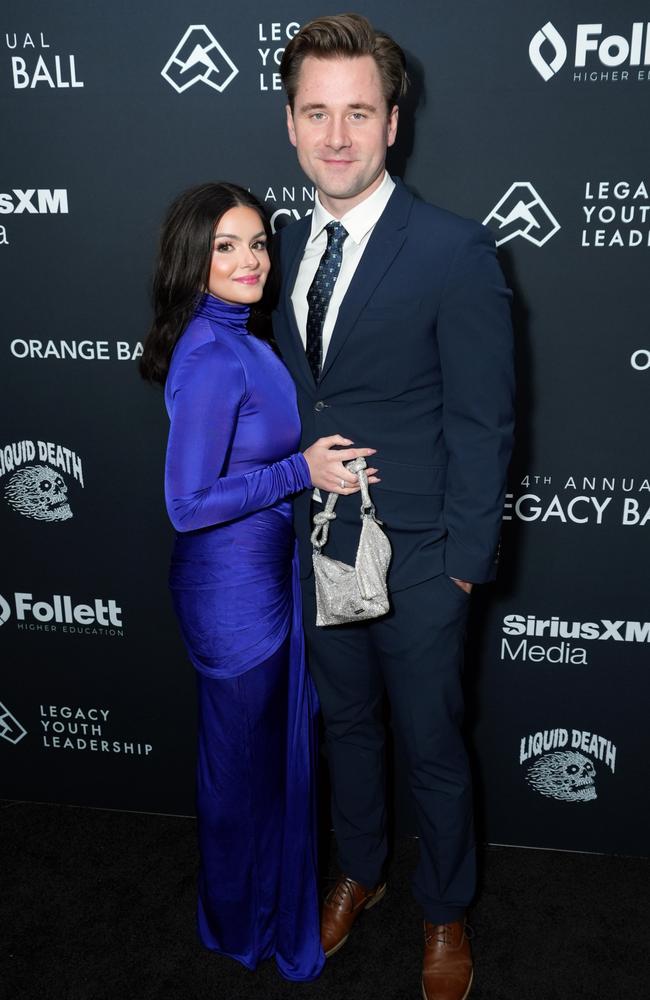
322	518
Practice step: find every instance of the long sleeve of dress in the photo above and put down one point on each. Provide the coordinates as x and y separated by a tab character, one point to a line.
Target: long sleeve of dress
206	394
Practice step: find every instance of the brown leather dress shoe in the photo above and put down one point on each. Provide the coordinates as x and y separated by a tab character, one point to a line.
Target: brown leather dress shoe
342	906
447	968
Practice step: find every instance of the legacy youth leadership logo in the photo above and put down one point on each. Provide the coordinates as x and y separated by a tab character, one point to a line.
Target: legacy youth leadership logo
199	58
521	212
10	728
85	729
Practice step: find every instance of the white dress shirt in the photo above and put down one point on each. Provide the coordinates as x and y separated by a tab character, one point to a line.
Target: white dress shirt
359	223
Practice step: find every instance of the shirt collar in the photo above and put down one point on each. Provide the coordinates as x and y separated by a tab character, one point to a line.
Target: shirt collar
360	219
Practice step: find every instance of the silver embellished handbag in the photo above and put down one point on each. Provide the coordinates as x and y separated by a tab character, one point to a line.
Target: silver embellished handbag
351	593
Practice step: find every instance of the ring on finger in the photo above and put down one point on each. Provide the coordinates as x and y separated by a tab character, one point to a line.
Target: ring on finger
342	481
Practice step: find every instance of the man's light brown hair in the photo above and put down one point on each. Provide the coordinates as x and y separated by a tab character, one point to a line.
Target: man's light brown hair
345	36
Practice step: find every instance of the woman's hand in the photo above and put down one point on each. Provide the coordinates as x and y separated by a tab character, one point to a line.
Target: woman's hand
326	466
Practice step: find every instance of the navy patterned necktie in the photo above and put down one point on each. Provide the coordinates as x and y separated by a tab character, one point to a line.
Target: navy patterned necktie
320	293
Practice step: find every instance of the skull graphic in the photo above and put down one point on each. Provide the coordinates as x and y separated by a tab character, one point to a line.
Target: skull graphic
40	492
565	775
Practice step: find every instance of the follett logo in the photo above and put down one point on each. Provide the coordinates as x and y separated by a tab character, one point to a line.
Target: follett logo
521	212
5	610
62	614
198	58
596	56
10	728
550	37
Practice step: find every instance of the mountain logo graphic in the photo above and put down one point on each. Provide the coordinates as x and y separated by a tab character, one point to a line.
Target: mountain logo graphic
10	728
521	212
198	58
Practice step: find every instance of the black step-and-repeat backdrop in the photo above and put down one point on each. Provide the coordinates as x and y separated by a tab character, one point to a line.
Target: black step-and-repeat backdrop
532	117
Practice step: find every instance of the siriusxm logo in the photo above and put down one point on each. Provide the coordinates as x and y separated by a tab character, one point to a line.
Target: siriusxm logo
526	638
35	202
555	627
548	50
521	212
198	58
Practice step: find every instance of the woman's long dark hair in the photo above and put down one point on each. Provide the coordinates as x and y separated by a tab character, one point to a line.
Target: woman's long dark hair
183	267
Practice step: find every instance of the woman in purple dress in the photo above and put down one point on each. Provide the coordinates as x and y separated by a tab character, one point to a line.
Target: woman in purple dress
232	467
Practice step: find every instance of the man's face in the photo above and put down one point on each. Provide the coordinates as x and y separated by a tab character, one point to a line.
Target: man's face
341	128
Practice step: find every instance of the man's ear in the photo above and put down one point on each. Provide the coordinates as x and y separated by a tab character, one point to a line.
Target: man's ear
393	116
290	126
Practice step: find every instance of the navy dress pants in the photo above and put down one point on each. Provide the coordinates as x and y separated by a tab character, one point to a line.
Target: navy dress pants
415	654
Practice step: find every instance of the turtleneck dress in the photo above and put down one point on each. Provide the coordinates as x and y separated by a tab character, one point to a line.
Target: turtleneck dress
232	466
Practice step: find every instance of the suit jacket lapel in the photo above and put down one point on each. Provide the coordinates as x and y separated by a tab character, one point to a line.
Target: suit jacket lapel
383	246
287	334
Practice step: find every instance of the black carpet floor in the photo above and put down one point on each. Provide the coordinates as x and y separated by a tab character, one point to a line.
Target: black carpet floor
99	905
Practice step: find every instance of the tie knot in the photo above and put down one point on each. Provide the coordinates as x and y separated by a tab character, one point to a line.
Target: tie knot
336	235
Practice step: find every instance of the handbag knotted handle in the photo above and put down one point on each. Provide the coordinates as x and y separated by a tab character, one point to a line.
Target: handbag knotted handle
322	518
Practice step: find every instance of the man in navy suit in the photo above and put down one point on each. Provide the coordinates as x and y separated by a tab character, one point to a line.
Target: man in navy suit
395	323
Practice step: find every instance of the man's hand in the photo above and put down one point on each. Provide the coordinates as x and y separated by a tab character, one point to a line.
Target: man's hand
463	584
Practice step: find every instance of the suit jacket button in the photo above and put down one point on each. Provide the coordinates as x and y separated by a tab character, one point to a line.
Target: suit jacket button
320	405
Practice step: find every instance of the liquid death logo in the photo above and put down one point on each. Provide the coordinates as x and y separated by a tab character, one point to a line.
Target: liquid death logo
557	772
39	491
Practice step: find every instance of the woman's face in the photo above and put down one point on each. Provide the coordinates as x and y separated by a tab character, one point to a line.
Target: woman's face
240	258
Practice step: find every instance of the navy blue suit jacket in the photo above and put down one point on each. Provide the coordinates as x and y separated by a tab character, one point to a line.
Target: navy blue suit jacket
420	366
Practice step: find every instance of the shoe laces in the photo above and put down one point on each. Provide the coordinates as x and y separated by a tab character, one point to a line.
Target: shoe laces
341	893
441	933
437	932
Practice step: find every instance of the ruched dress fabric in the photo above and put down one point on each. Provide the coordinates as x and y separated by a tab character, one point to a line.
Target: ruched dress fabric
232	466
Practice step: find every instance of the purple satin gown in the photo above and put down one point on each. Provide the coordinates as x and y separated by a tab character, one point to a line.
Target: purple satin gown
232	465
